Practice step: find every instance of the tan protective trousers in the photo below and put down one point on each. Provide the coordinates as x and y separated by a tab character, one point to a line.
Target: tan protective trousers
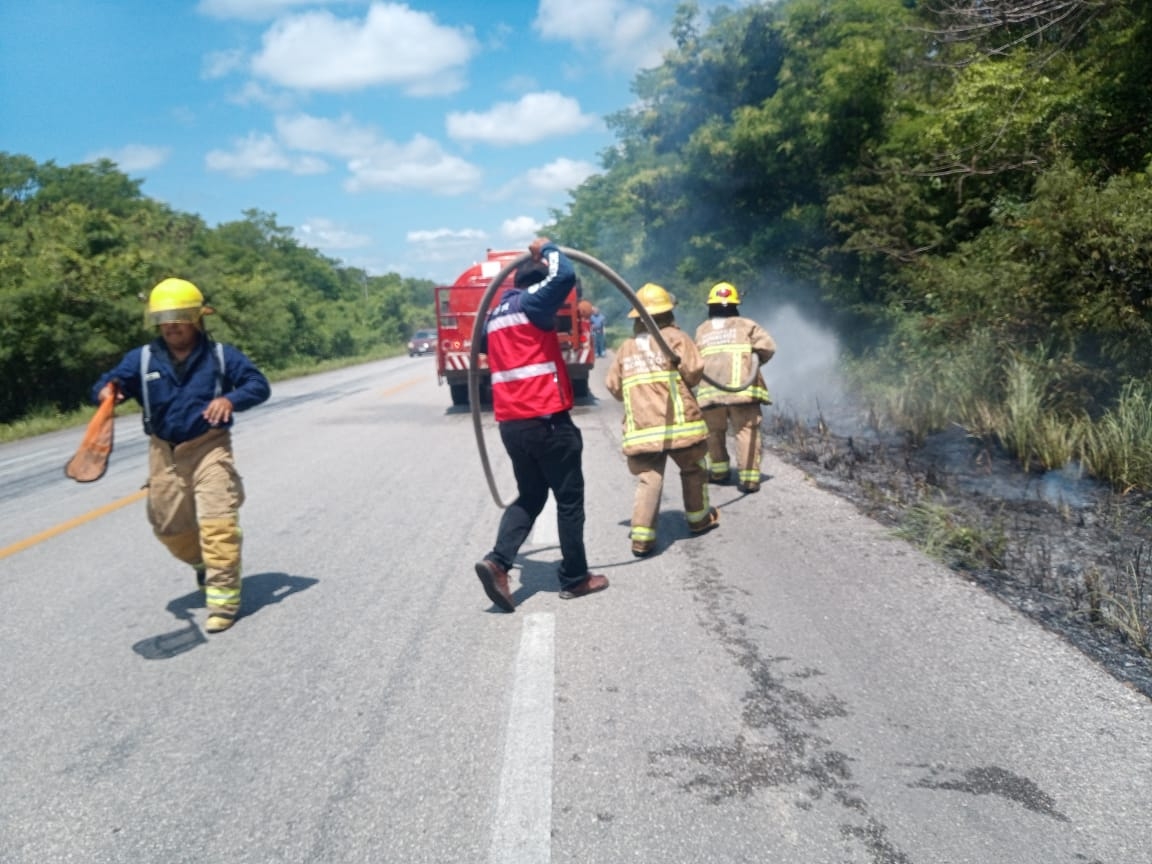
194	498
745	422
648	469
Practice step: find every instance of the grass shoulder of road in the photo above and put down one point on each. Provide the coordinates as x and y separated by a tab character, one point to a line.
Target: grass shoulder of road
51	419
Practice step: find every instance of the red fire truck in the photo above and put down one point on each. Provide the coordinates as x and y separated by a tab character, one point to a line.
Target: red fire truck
456	308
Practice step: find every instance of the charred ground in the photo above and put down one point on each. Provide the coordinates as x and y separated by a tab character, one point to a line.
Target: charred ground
1065	551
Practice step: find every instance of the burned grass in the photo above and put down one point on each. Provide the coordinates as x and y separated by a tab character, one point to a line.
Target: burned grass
1066	551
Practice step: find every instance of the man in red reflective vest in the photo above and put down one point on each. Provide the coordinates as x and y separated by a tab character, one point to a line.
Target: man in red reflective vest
531	398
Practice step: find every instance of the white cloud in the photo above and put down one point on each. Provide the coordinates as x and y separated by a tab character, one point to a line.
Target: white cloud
258	153
627	33
520	231
302	142
534	117
441	235
254	93
326	234
133	157
560	175
253	10
342	137
220	64
391	45
419	164
378	163
445	253
542	186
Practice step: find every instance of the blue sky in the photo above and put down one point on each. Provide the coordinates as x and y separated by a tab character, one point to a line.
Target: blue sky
404	137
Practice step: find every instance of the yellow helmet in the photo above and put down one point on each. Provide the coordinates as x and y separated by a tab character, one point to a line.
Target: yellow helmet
724	294
175	301
654	299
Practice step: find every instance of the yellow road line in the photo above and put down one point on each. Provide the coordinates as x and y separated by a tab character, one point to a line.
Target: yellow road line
72	523
116	505
400	387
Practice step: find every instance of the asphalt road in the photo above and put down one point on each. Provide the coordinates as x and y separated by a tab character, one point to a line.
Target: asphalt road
796	686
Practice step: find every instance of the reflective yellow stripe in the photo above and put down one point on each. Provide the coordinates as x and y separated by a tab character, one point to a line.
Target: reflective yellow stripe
221	596
697	516
707	392
665	433
737	352
679	428
642	534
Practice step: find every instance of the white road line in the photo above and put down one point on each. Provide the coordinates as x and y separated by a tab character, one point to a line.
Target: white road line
523	826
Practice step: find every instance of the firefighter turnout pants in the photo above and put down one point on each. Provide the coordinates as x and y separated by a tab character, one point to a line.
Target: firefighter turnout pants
194	498
648	469
745	422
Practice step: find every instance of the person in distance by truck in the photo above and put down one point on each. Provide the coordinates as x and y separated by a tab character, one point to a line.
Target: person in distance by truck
730	344
189	387
531	398
598	322
661	419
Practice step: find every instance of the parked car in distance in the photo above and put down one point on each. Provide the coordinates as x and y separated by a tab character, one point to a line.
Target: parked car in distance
422	342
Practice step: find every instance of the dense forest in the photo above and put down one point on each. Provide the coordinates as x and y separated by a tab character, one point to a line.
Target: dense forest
962	186
81	247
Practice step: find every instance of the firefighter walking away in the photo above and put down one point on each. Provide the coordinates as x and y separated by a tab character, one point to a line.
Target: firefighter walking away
661	419
730	344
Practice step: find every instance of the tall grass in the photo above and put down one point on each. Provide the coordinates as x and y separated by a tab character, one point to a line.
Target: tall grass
936	390
1034	404
1029	427
1118	447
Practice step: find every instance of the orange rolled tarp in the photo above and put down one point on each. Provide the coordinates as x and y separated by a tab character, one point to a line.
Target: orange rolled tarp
91	458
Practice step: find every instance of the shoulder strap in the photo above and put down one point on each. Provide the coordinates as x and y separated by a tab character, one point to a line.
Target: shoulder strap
219	367
145	356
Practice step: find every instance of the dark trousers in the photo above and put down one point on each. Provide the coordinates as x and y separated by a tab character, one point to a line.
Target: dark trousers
546	455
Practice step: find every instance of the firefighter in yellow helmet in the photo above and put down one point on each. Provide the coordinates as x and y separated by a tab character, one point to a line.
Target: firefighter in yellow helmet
661	419
730	344
189	387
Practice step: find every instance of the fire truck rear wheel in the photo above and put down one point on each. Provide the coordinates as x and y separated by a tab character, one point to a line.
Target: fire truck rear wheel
580	387
459	393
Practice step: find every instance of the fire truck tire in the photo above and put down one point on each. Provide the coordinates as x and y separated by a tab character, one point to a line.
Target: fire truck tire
459	393
580	387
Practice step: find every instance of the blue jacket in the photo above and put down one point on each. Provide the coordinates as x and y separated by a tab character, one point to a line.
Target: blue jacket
178	403
539	302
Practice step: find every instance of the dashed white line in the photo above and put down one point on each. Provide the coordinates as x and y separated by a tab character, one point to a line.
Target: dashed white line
522	833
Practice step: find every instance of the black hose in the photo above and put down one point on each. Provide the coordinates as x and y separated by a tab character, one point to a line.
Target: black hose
481	320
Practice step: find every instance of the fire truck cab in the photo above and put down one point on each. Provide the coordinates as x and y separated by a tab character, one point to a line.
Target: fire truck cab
456	309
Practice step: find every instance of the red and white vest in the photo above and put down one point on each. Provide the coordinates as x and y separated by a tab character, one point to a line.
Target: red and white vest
529	375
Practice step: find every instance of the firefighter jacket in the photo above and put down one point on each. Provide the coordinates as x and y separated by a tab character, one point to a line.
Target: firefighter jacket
529	374
660	412
178	396
729	347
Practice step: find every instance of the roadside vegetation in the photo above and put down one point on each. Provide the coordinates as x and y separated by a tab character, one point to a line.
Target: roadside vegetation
81	247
